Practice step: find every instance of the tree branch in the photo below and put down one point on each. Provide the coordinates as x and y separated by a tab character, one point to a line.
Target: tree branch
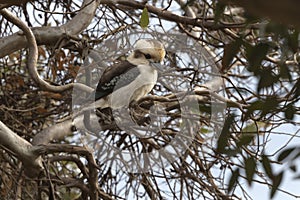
167	15
22	149
83	19
8	3
50	35
54	132
33	56
94	191
14	2
72	27
61	130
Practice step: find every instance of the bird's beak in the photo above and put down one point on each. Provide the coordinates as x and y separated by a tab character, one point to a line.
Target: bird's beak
158	66
162	54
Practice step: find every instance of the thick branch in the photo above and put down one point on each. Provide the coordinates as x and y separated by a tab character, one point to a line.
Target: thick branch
83	19
33	56
167	15
55	132
8	3
72	27
22	149
50	35
61	130
17	41
14	2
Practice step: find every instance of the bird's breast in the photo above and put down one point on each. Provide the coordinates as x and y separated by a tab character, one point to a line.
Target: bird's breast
137	89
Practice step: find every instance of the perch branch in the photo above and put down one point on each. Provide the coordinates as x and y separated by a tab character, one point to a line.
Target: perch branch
72	28
22	149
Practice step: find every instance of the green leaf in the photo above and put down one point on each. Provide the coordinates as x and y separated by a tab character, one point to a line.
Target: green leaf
205	130
233	179
270	104
225	134
255	55
230	51
249	132
253	128
231	152
267	166
284	72
250	128
276	182
267	79
250	166
284	154
266	106
245	140
204	108
144	21
289	112
256	105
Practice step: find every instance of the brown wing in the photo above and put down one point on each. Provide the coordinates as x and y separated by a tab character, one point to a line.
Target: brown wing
115	77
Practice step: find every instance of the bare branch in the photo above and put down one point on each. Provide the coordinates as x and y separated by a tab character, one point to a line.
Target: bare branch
33	49
61	130
55	132
14	2
50	35
22	149
167	15
92	166
82	19
8	3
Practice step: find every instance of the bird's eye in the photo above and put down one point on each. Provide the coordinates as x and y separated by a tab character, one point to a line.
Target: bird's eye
147	56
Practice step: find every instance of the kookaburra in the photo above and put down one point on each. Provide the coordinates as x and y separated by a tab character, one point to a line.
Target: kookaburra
132	78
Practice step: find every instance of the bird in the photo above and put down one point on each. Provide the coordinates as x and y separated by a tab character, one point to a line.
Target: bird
130	79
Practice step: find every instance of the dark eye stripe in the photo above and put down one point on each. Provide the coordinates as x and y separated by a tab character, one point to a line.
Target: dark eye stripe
147	56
